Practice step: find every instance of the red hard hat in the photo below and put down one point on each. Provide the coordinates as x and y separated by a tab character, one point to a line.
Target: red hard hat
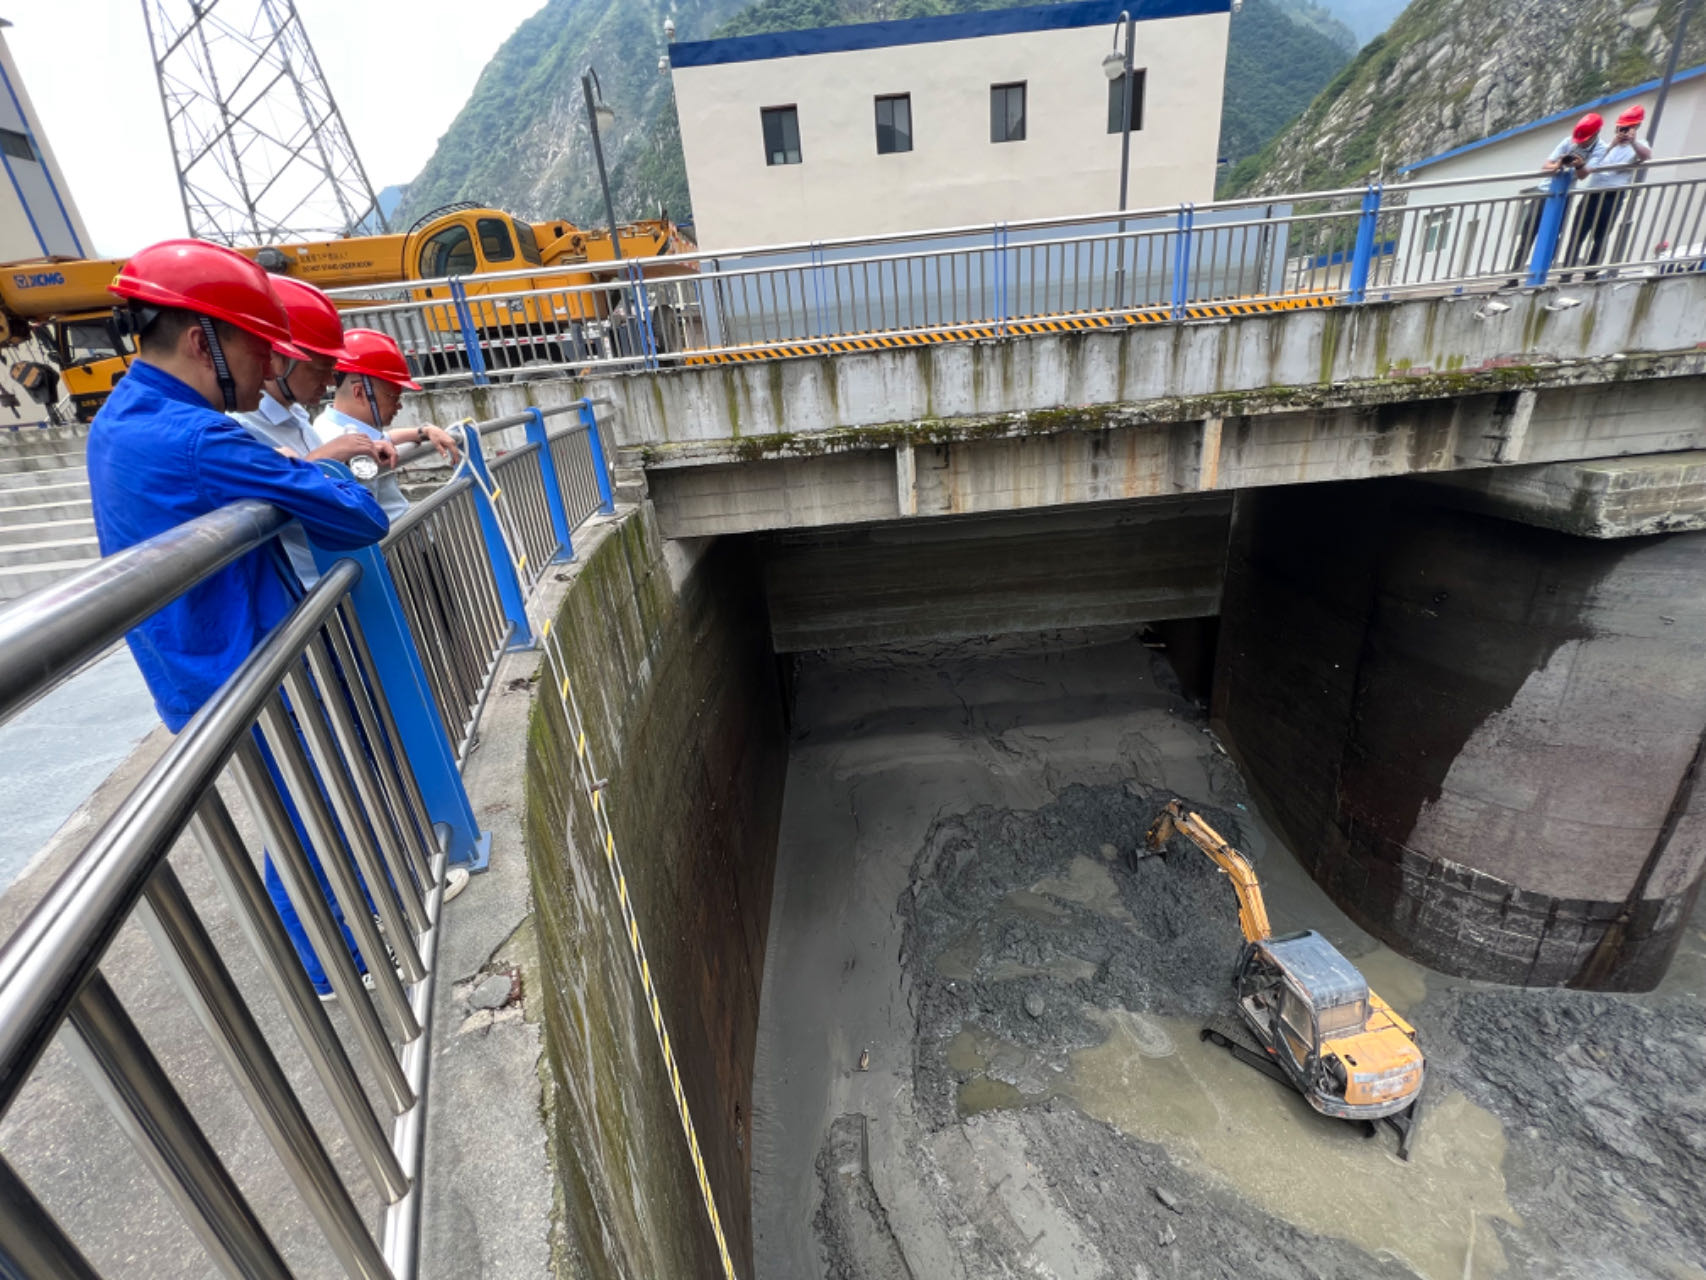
315	325
209	280
1634	115
367	351
1588	127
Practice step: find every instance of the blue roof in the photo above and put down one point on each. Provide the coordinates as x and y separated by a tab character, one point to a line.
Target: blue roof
953	26
1557	117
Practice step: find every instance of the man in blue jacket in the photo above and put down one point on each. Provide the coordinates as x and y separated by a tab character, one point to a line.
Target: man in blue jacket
162	451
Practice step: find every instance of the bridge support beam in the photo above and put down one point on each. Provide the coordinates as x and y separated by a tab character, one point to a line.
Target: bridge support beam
1476	733
1602	498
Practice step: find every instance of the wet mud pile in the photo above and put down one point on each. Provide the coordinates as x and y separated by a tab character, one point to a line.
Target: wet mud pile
1605	1100
999	939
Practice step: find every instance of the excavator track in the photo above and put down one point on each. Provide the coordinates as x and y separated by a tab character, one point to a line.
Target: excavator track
1229	1032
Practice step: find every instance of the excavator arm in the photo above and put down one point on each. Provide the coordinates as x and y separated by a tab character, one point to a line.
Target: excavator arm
1252	911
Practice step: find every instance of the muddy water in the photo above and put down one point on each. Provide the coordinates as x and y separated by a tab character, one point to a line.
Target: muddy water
1263	1139
1155	1079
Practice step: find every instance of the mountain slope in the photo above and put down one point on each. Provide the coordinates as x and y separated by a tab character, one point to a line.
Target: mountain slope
1365	18
521	141
1276	62
1453	71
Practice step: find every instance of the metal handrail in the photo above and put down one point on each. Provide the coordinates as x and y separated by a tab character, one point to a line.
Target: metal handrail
306	720
51	633
54	950
1021	225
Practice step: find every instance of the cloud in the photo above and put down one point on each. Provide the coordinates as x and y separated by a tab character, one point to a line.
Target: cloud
399	69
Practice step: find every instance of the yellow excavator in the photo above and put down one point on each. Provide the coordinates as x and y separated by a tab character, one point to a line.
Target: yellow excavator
1306	1016
495	256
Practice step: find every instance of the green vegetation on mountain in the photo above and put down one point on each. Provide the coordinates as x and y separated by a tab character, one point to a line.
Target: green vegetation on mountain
521	141
1275	65
1454	71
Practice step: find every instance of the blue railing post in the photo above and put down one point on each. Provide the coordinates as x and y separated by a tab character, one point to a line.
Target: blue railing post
1551	229
648	340
470	335
397	666
1182	260
1363	256
1001	277
601	472
553	486
504	570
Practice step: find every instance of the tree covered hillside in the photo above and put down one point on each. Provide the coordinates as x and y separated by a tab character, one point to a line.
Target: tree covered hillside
1454	71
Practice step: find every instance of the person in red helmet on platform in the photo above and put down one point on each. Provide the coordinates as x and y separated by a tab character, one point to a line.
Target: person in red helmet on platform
162	451
371	378
1607	186
293	389
1576	154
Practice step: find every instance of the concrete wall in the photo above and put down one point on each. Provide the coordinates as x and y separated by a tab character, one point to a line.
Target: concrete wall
913	581
684	717
1068	162
1472	730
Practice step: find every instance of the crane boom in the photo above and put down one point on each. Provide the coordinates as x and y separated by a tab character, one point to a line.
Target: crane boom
1252	911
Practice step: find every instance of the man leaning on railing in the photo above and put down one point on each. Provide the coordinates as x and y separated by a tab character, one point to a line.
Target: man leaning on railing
162	451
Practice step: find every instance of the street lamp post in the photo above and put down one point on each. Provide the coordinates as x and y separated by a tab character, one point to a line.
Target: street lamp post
595	112
1116	65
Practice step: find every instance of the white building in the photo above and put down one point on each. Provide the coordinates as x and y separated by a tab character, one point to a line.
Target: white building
38	218
1486	234
947	121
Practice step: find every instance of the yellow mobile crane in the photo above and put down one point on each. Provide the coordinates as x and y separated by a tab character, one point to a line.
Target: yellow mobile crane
65	300
1306	1014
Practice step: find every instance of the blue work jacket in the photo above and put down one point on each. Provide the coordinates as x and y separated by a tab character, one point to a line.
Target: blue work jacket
159	455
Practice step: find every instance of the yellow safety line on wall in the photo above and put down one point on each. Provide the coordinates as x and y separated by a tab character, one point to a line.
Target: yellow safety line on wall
619	881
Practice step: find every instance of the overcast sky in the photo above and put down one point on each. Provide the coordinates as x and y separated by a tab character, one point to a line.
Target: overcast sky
400	70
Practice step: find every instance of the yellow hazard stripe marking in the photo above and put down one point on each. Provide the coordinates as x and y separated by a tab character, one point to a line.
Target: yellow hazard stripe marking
1027	325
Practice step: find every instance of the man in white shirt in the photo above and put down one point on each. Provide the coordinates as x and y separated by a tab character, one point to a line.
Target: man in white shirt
1608	184
296	386
1576	154
371	379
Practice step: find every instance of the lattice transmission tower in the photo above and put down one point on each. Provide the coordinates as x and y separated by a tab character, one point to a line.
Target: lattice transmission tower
261	148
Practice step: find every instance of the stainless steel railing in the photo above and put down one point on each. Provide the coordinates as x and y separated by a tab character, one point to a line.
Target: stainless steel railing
522	506
450	598
306	710
1143	266
313	753
577	471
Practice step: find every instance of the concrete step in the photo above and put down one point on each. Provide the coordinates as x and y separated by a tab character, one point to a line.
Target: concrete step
75	488
23	579
49	551
26	441
23	463
44	513
60	473
54	531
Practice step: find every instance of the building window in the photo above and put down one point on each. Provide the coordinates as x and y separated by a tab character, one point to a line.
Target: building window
17	145
1007	112
781	135
894	123
1116	99
1435	227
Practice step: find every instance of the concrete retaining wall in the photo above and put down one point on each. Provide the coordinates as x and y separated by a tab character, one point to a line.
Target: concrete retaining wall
685	719
1472	730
